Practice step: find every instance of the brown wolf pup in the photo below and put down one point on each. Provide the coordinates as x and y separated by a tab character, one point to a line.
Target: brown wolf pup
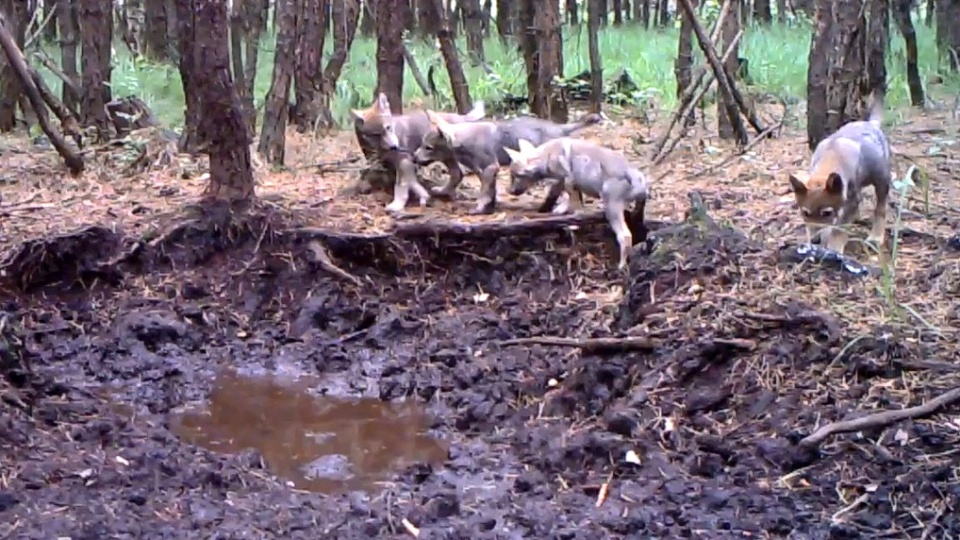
370	124
587	168
829	193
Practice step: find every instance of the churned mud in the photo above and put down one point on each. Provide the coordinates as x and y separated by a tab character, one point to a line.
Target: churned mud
221	383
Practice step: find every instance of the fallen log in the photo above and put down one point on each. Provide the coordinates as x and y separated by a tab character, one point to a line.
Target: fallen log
19	64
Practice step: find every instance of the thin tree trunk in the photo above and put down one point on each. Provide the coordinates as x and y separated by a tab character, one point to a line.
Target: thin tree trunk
273	135
596	62
901	16
390	62
96	33
311	37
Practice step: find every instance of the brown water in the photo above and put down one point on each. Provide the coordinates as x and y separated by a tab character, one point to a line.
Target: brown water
316	443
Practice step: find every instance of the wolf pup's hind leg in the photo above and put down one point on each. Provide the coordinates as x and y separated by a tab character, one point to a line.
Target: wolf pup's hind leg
878	232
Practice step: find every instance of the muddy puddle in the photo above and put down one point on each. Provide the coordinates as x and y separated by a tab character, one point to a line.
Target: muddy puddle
315	443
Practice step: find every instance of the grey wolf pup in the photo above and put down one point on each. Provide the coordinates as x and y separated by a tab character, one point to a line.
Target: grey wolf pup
407	131
584	167
481	148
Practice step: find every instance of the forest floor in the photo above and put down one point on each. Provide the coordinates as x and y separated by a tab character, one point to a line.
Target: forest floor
169	378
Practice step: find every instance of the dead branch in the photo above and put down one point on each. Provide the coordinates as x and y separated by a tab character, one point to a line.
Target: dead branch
881	419
417	73
19	64
727	86
68	119
759	138
691	97
588	345
51	65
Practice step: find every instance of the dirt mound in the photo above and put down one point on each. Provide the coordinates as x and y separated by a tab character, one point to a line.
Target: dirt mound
691	422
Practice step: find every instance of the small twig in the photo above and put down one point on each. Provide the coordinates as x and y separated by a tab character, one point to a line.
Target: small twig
757	140
588	345
411	528
322	258
602	496
881	419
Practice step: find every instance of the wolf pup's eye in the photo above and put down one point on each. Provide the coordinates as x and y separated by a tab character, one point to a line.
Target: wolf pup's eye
805	212
428	148
826	212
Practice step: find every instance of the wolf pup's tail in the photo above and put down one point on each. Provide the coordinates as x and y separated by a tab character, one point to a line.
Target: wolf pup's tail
876	103
639	187
586	120
478	111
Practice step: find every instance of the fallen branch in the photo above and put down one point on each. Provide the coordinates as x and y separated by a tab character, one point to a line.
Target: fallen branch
19	64
588	345
760	138
727	86
690	99
881	419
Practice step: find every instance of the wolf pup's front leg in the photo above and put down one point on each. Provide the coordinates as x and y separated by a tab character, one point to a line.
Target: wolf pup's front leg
488	190
406	181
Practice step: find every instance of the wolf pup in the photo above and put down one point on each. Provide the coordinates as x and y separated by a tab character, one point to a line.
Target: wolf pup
407	131
480	147
828	194
588	168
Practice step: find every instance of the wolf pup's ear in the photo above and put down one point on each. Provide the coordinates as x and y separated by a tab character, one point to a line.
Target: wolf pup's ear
357	114
525	146
834	184
799	188
383	104
515	157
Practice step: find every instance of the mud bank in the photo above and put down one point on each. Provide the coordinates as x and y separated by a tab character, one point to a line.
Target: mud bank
735	373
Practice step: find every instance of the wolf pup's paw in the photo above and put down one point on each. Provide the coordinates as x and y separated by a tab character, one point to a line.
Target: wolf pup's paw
485	209
396	207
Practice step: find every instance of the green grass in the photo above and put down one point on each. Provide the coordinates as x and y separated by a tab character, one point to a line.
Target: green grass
777	55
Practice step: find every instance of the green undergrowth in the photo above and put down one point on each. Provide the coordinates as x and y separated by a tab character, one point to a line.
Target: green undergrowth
777	60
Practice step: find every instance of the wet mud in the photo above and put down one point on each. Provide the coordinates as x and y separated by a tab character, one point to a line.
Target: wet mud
115	397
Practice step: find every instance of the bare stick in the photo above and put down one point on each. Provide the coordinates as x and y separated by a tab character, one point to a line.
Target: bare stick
760	138
881	419
726	85
19	64
588	345
687	104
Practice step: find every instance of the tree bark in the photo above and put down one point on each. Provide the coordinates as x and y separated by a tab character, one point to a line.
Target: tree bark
782	11
428	18
877	41
542	47
246	27
617	12
345	15
834	75
473	26
275	112
311	37
683	69
18	17
155	37
728	32
507	18
573	12
390	62
69	31
761	12
448	48
948	34
901	16
663	14
96	35
221	124
596	61
368	22
190	141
